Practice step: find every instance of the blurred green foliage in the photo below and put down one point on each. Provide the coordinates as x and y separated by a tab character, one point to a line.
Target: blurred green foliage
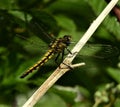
59	17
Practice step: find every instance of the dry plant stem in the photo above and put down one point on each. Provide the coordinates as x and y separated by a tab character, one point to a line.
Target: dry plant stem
59	72
48	83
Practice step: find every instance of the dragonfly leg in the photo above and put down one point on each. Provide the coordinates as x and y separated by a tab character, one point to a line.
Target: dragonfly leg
68	50
68	66
71	52
63	53
61	60
56	59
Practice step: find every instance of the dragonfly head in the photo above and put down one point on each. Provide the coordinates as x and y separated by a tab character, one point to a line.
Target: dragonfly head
67	39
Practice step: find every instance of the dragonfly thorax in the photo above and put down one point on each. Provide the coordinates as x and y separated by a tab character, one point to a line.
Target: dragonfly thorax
60	44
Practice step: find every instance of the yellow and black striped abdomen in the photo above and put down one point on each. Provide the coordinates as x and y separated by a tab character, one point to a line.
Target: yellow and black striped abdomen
46	57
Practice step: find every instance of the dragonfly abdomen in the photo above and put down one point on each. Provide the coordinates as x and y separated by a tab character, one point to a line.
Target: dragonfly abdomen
46	57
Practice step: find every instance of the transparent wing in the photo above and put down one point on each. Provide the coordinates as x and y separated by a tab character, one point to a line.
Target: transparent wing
32	44
97	58
101	51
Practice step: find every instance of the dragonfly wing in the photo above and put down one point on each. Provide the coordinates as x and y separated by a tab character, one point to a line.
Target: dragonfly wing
102	51
39	31
32	44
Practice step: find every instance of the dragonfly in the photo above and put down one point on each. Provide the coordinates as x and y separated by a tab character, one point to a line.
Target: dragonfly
57	46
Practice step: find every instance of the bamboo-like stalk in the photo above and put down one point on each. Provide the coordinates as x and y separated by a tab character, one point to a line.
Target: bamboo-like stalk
59	72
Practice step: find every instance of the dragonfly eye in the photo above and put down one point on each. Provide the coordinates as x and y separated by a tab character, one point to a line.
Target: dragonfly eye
67	39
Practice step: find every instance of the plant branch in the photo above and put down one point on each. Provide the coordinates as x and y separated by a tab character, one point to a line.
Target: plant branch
59	72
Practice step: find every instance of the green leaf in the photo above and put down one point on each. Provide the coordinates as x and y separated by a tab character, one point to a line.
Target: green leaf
20	15
7	4
71	95
114	73
110	23
51	100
